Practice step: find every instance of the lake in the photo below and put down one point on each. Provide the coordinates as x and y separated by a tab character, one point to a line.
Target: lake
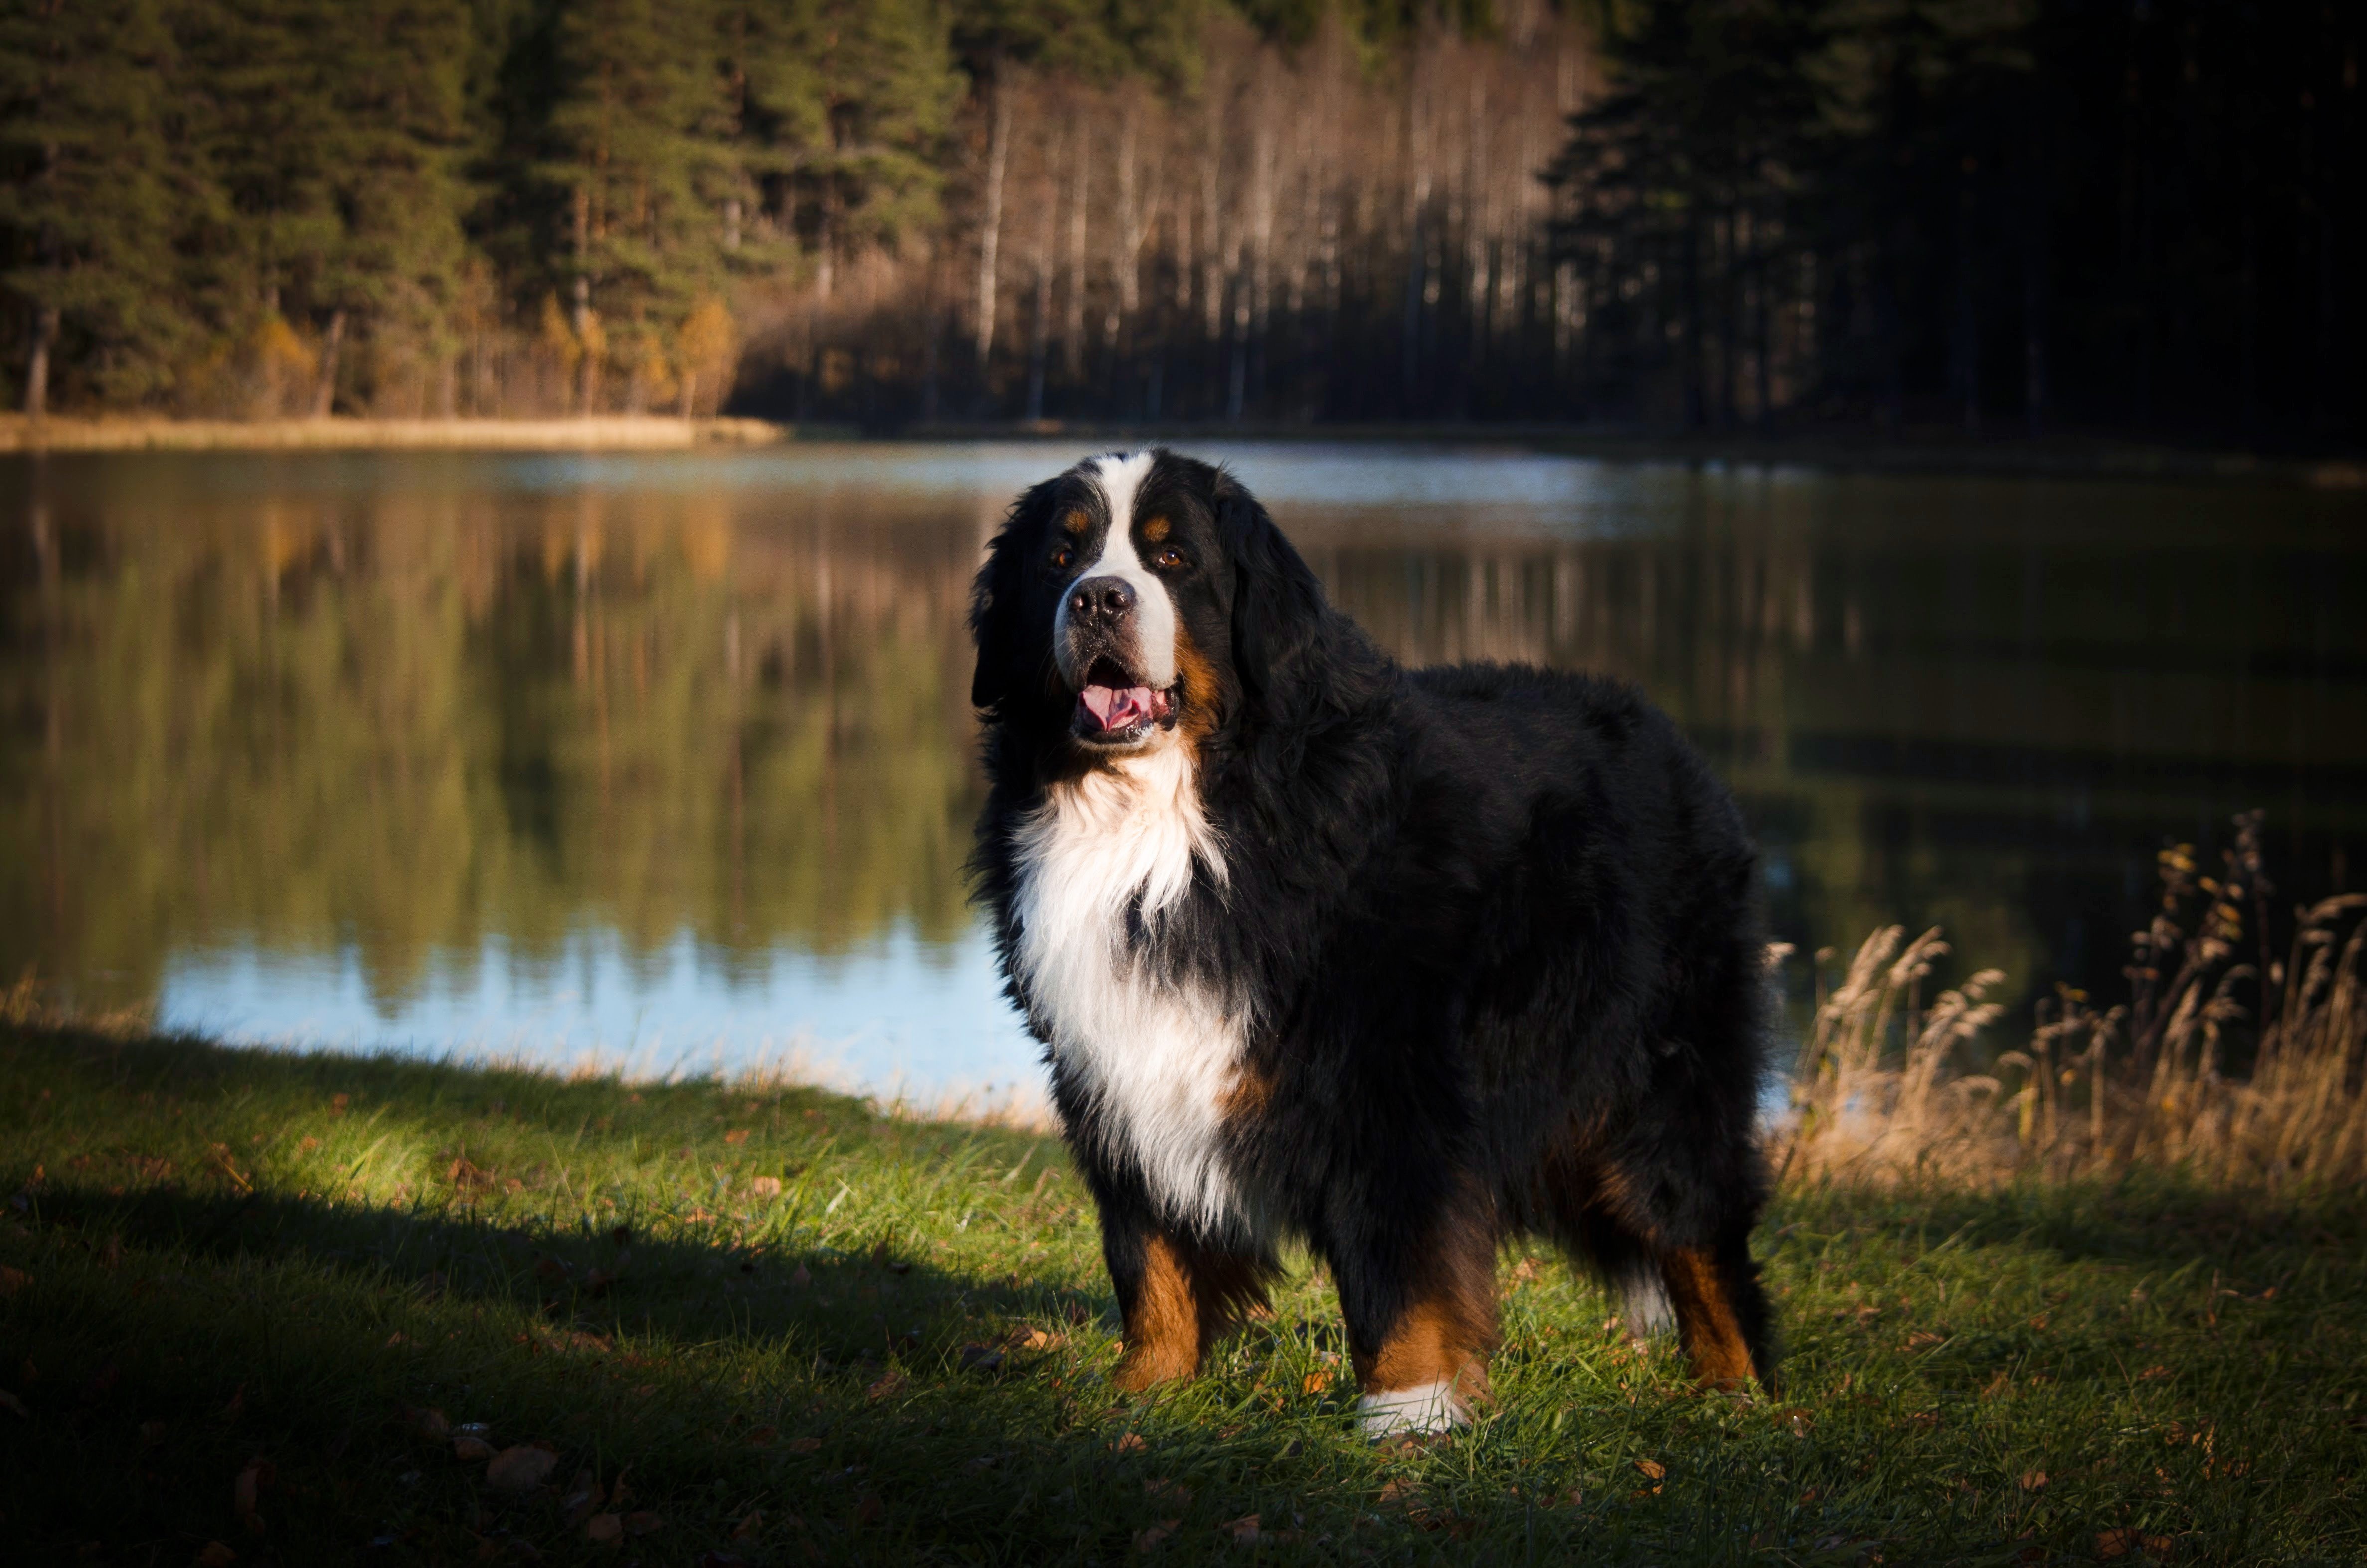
665	762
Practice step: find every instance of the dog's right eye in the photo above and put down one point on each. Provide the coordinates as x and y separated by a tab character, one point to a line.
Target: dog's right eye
1061	556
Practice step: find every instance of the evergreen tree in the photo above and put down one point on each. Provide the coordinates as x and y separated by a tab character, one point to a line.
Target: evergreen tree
93	201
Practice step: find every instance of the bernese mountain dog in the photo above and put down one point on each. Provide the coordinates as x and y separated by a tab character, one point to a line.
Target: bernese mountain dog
1396	963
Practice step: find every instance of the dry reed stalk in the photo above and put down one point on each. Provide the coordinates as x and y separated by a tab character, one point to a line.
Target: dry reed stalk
1887	1089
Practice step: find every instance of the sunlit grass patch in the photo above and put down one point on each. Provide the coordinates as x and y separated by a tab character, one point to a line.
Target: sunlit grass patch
327	1308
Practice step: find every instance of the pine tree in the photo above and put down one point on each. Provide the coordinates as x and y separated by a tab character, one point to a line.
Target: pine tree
92	199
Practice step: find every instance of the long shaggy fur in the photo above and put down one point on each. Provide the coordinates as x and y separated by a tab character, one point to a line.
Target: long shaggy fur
1398	962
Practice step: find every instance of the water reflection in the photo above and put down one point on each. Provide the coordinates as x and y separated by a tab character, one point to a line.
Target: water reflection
657	757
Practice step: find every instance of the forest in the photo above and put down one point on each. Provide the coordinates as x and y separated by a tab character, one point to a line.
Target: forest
1752	216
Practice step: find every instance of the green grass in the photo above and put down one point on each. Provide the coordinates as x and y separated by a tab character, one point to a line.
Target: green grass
221	1256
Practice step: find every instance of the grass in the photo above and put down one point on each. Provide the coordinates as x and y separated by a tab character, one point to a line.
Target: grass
252	1305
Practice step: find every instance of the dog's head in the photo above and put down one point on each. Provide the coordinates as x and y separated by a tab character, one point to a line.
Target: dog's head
1139	600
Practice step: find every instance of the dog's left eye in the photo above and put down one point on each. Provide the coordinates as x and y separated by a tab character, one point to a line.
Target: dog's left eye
1061	556
1171	556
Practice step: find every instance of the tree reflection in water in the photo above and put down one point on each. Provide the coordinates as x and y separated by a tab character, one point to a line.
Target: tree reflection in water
397	708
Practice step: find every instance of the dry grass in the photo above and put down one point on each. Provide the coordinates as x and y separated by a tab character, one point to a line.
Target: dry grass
2183	1075
596	433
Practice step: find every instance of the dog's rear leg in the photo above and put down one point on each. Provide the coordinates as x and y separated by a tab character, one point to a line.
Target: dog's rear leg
1176	1297
1422	1321
1722	1314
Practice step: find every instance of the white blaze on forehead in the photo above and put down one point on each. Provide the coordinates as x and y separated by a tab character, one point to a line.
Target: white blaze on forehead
1118	477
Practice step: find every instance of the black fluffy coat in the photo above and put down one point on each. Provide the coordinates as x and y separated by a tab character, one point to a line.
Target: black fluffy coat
1495	923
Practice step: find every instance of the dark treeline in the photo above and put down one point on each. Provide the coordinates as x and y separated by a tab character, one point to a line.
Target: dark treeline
1762	214
2142	215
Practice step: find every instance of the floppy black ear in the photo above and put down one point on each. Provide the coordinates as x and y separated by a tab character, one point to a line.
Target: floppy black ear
1277	603
994	598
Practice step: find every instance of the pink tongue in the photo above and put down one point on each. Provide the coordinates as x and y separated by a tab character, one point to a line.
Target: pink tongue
1117	710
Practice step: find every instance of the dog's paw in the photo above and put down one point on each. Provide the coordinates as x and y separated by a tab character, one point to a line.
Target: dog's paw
1423	1410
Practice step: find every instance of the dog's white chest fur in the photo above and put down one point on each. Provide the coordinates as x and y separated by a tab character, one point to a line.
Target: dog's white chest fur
1157	1057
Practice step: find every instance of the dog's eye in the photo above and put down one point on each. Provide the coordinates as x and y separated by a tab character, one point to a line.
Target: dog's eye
1171	556
1061	556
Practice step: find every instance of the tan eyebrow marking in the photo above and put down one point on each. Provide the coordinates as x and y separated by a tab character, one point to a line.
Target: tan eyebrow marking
1077	523
1155	529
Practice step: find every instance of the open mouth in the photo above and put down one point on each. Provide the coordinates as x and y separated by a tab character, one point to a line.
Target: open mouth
1114	708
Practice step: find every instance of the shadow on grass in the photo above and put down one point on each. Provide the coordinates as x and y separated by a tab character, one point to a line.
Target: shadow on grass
900	1355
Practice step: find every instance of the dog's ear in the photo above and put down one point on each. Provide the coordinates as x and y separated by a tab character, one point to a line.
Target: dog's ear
1277	603
994	598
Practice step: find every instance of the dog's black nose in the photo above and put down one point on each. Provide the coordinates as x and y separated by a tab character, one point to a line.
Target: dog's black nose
1100	598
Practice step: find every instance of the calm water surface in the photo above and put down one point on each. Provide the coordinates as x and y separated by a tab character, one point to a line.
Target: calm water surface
665	761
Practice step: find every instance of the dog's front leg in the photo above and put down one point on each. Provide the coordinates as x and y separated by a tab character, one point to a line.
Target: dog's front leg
1421	1313
1176	1297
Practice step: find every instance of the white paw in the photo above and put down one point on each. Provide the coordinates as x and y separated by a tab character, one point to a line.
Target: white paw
1422	1409
1644	1303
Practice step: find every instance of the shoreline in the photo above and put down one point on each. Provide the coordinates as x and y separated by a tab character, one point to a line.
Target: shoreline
1914	453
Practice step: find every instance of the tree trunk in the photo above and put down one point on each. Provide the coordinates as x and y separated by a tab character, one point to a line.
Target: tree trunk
37	361
332	343
990	235
1072	324
580	316
1040	345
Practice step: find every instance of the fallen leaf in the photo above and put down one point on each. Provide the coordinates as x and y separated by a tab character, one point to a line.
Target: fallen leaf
1131	1443
754	1523
762	1436
2034	1480
522	1468
252	1482
605	1529
765	1187
1244	1530
428	1423
805	1445
737	1135
886	1387
869	1509
12	1281
1314	1383
1168	1491
1923	1339
2152	1373
1151	1535
213	1554
1652	1469
2116	1543
641	1522
13	1406
471	1449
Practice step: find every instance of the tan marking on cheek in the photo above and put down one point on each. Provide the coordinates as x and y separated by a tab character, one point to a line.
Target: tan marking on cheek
1156	529
1706	1323
1197	678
